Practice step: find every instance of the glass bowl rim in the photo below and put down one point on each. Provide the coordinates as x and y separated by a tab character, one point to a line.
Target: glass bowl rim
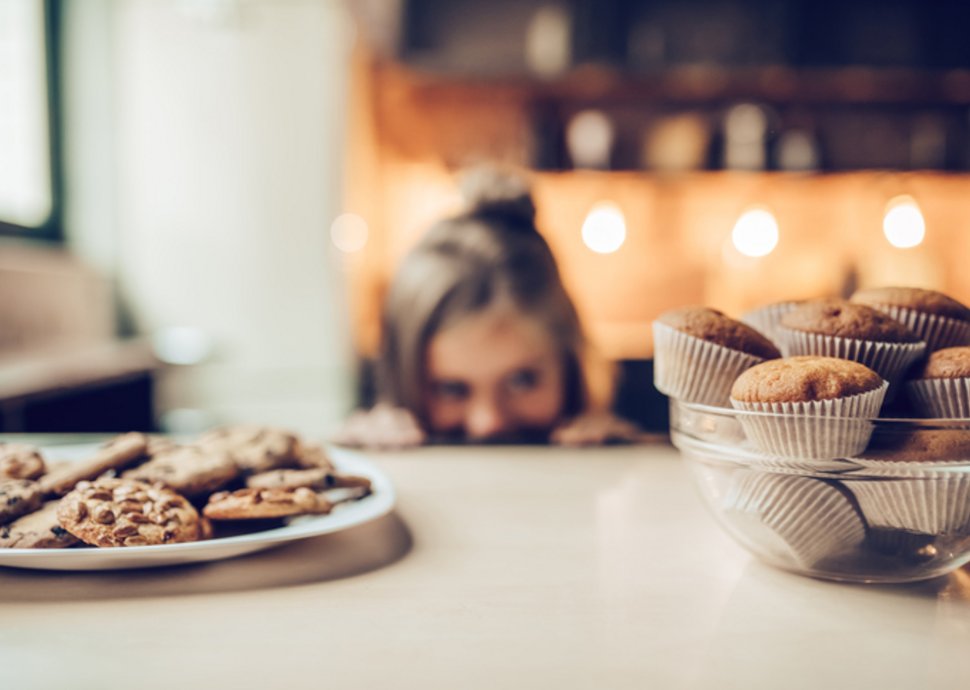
758	414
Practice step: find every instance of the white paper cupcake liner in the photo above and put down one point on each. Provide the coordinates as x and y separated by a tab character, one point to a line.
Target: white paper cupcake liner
767	319
936	331
937	503
946	398
694	370
793	518
889	360
818	430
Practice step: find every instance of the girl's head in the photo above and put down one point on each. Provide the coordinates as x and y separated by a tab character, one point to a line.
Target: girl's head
480	338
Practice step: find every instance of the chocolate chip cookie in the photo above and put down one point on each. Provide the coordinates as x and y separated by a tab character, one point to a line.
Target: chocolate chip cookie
19	497
20	461
318	479
125	512
313	455
254	448
188	470
251	504
38	530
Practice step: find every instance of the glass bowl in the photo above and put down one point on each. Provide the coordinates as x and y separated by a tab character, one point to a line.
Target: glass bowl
891	507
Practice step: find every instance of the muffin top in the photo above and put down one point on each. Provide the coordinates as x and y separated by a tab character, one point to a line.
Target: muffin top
804	379
845	319
919	445
918	299
715	327
948	363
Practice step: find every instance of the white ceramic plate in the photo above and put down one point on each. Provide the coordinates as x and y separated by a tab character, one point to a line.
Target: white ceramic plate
344	516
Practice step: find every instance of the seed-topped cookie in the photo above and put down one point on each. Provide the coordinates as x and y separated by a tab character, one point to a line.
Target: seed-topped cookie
125	512
20	461
698	352
842	329
942	386
937	319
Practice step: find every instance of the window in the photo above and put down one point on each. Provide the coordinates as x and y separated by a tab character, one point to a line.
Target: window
28	187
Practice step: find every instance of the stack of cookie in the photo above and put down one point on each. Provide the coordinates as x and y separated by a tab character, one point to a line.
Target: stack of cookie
138	490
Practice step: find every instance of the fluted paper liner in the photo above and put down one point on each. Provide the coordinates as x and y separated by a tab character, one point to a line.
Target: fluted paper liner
794	518
819	430
936	503
693	370
936	331
947	398
767	319
889	360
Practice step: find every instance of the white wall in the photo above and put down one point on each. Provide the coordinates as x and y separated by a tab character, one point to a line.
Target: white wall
204	141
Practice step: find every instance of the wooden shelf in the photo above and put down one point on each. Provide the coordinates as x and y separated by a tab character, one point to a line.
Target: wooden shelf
695	85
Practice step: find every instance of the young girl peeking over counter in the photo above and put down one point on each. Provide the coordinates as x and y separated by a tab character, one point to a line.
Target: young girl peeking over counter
480	341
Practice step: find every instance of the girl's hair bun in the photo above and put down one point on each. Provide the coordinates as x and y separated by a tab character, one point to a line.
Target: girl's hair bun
498	193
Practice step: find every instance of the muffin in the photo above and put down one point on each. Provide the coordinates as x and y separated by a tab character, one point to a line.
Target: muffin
907	484
837	328
809	407
938	320
766	319
800	521
942	386
698	352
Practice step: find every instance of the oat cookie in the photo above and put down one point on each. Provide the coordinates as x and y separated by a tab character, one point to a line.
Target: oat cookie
114	455
254	448
125	512
19	497
318	479
188	470
248	504
38	530
20	461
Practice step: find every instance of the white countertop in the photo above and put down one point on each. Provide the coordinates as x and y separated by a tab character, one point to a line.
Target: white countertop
502	568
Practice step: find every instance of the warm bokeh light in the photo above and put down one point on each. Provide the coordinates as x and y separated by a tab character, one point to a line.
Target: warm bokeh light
349	233
548	39
756	232
589	139
604	229
903	223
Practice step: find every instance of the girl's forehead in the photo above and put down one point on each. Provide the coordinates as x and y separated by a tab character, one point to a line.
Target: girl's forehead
500	329
502	317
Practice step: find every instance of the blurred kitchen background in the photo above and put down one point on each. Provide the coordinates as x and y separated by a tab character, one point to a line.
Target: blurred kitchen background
202	201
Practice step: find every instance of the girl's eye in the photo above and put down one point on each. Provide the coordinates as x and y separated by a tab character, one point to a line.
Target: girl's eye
450	390
523	380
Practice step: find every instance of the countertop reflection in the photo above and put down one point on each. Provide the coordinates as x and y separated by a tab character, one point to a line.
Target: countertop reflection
501	567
